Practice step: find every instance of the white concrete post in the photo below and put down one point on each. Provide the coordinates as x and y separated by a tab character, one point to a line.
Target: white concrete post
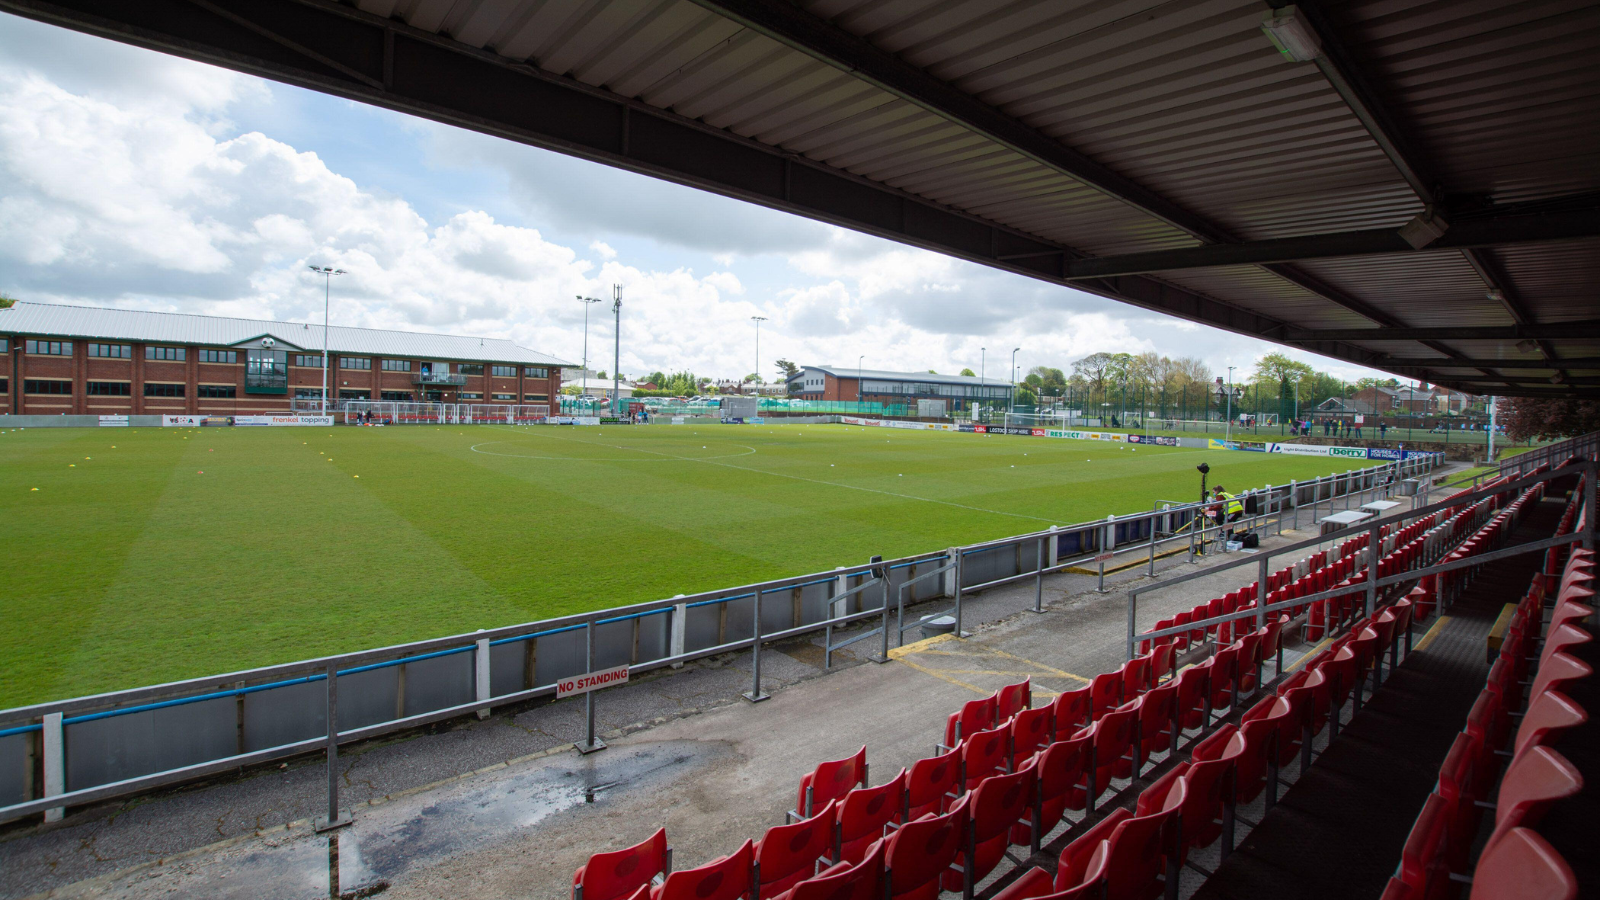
841	583
55	764
948	577
1052	555
480	659
680	630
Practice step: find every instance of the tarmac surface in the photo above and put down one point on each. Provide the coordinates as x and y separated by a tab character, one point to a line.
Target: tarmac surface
506	807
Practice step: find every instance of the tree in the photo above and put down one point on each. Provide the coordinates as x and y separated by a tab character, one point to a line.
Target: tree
7	302
968	373
1094	369
1273	368
657	378
1033	381
1540	418
753	378
1025	397
932	372
601	375
789	369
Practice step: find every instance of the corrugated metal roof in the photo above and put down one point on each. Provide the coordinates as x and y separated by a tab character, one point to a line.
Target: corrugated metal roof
91	322
923	377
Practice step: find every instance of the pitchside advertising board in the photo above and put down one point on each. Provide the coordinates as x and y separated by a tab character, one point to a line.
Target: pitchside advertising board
251	421
113	421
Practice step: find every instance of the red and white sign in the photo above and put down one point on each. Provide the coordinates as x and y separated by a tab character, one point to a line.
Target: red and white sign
583	684
1104	557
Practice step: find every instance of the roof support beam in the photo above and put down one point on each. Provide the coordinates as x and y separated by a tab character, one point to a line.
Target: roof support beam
1423	362
1583	329
1485	231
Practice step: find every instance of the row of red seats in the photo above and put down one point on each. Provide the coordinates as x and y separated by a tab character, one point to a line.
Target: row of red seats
1516	862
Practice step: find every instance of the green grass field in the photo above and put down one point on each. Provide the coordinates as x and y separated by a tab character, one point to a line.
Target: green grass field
128	566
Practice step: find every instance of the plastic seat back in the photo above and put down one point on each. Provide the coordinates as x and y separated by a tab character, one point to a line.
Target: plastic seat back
1135	677
1161	658
1012	699
1031	731
1224	673
1157	710
831	781
788	854
1523	866
1112	737
1422	864
1071	711
922	850
728	878
618	874
1073	864
864	812
1562	638
1257	738
932	784
1194	692
974	716
1060	768
1548	717
984	754
1139	847
1536	780
844	881
1105	692
998	804
1557	672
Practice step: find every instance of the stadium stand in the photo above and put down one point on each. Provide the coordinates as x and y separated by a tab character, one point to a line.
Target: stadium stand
1219	735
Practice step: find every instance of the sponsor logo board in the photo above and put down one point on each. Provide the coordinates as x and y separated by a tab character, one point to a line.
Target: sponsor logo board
593	681
1348	452
113	421
678	420
283	421
181	421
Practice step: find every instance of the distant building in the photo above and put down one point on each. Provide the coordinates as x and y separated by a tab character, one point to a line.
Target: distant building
880	386
60	359
601	387
1382	400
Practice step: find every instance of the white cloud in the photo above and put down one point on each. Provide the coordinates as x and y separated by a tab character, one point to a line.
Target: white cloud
603	248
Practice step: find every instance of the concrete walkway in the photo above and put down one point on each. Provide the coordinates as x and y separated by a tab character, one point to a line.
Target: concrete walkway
505	807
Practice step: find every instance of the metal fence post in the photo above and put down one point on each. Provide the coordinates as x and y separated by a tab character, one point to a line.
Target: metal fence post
755	695
1372	570
1038	575
680	631
591	743
1152	569
55	763
1294	503
883	653
956	573
1133	605
1261	595
334	820
480	675
1588	505
1055	549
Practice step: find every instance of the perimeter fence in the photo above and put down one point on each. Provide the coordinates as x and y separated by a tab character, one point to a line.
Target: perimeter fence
88	749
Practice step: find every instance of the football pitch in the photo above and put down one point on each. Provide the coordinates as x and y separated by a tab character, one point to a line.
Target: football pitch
139	556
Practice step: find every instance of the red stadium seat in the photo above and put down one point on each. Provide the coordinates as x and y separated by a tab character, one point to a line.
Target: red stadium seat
1105	692
619	874
933	784
788	854
862	881
1157	711
1143	851
1249	661
1073	866
1557	672
920	852
1135	677
1031	731
1037	883
1071	710
975	716
1194	691
1012	699
984	754
1549	716
1110	739
1061	767
1422	864
1523	866
1537	779
1161	662
830	781
999	804
863	815
1225	677
1562	638
727	878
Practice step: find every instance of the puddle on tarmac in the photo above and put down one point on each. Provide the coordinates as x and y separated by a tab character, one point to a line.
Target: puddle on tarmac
387	841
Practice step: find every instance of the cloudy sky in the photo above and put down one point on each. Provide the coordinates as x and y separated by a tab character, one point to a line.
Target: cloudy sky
134	179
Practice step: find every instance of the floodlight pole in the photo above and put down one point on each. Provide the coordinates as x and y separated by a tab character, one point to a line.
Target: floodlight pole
616	360
1227	429
586	301
758	320
859	382
327	273
1014	381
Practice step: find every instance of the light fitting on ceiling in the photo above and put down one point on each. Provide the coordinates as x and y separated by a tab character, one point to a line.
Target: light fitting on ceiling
1424	228
1527	346
1288	31
1496	295
1558	378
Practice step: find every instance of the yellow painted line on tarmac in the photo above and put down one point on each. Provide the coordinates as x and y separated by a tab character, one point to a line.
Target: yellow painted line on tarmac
1432	633
1009	674
920	646
1308	654
1049	669
943	677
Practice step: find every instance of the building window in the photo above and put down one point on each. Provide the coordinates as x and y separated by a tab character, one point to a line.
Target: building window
354	362
5	386
398	396
469	369
536	372
41	386
308	393
397	365
469	395
218	391
308	362
266	372
162	389
536	398
49	348
355	395
5	345
219	356
111	351
503	371
507	397
172	354
110	389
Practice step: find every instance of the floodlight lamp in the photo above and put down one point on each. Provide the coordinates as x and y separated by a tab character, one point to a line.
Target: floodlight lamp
1527	346
1290	33
1558	378
1423	229
1495	294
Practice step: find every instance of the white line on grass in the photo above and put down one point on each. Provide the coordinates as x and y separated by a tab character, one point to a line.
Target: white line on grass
836	484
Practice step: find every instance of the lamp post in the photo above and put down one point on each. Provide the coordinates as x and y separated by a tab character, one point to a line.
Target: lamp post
327	273
1227	429
983	353
1014	380
758	320
586	301
858	378
616	360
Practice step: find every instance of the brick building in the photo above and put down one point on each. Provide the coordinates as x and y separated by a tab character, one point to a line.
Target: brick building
94	361
879	386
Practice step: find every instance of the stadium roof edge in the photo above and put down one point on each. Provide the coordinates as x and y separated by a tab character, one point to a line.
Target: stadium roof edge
29	317
926	377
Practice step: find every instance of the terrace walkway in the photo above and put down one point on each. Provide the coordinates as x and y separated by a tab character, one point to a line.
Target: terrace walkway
505	807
